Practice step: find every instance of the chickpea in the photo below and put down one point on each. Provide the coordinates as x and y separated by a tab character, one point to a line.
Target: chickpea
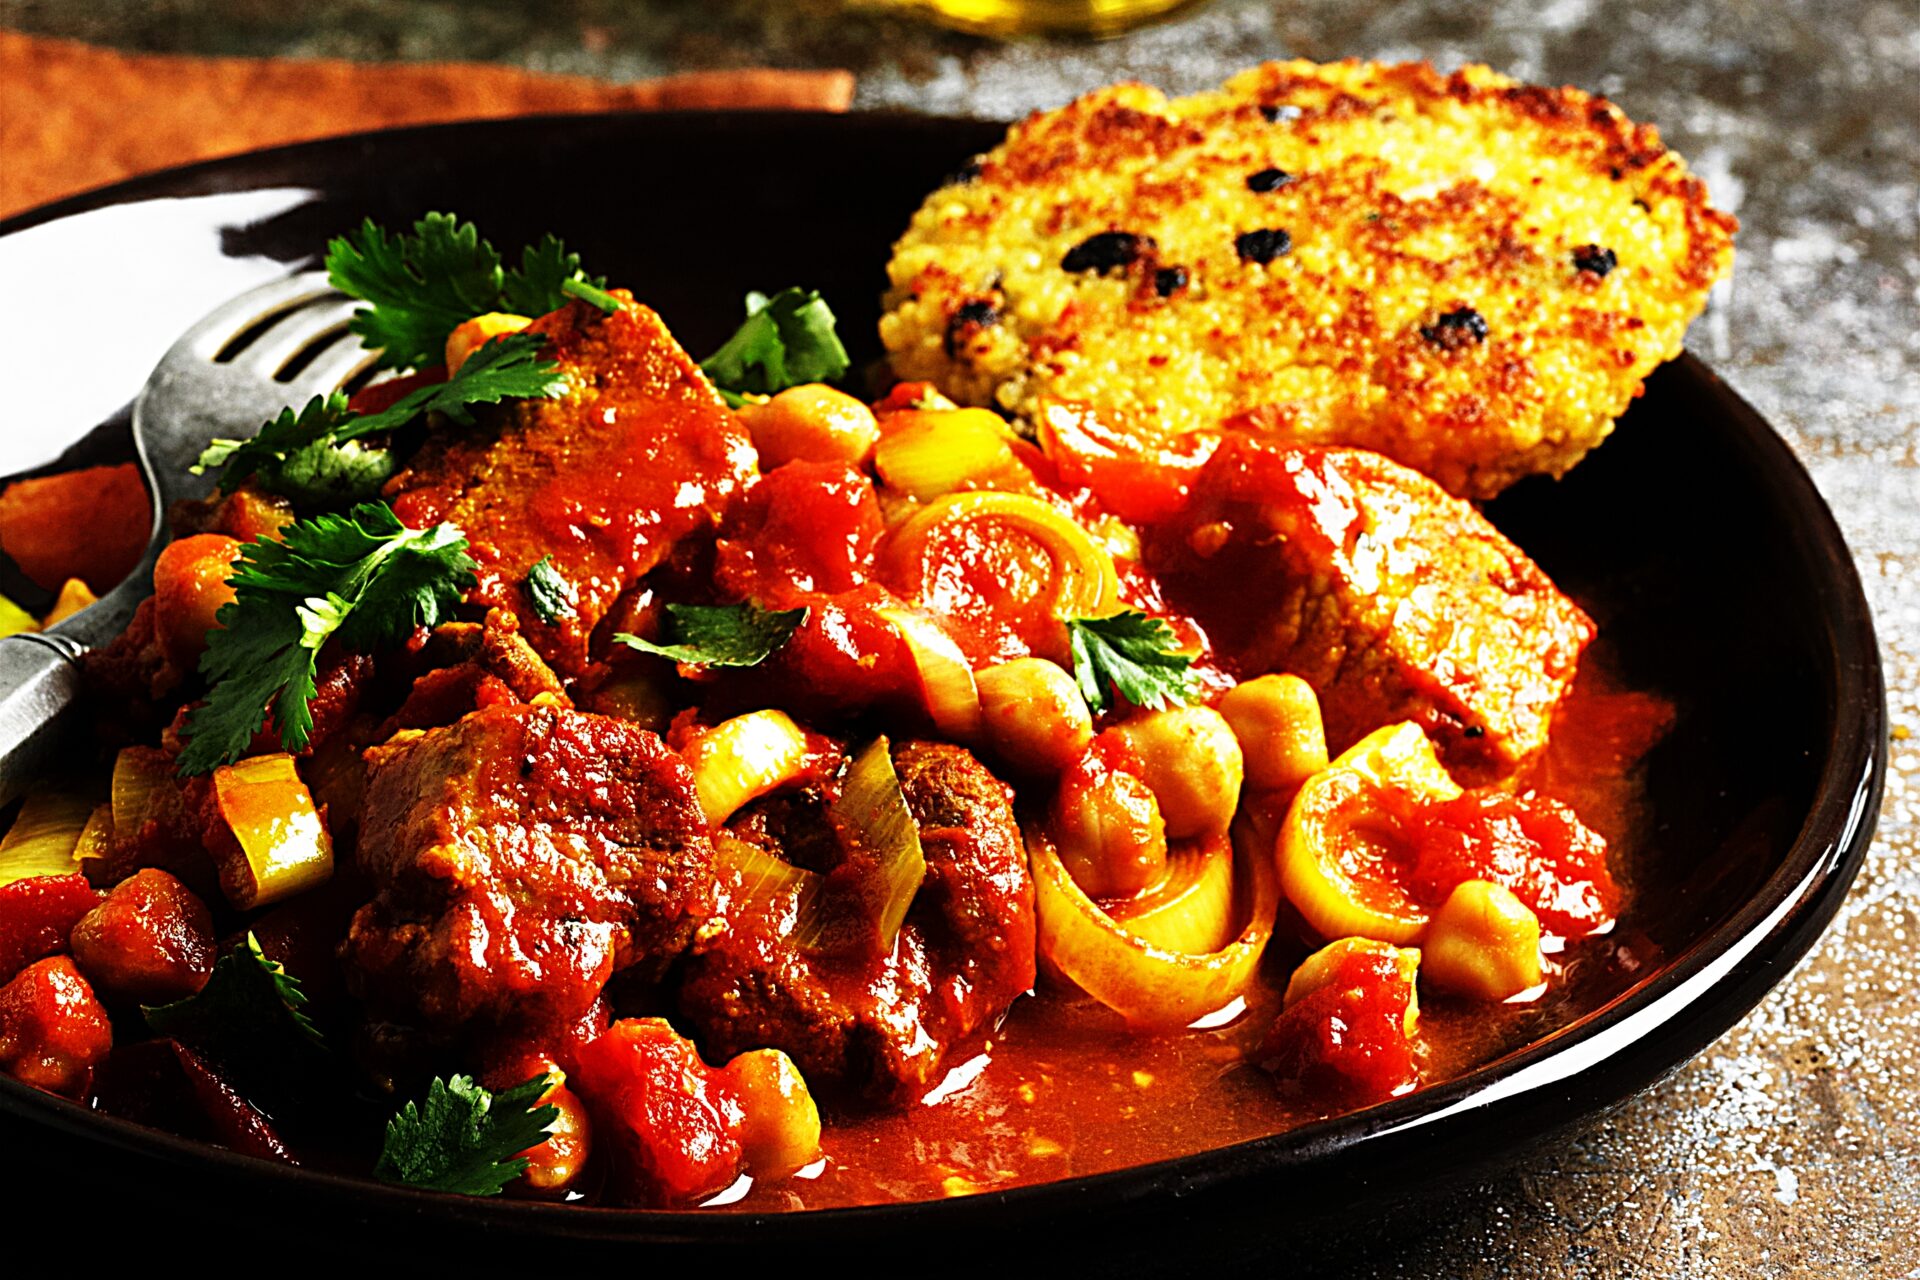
1191	759
470	335
553	1166
781	1130
1035	716
189	588
1112	840
1277	721
1483	942
812	423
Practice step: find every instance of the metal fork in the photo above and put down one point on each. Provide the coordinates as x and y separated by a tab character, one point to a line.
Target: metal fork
224	377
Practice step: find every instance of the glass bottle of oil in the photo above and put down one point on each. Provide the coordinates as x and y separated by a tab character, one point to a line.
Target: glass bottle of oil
1045	17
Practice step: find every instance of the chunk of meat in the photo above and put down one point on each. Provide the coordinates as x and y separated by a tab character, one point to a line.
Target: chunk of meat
53	1031
878	1028
151	941
473	665
522	856
1395	600
640	453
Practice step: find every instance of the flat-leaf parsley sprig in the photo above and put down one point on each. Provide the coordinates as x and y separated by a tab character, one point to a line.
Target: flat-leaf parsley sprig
362	576
1132	654
314	453
465	1139
420	287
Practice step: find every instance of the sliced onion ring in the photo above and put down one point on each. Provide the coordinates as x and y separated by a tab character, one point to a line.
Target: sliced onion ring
1149	986
946	680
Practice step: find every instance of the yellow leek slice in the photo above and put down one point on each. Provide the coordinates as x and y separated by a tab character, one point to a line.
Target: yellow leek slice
14	619
284	846
928	454
742	759
143	780
45	838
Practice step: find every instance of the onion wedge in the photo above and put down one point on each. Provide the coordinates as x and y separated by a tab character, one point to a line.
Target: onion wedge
947	687
1147	984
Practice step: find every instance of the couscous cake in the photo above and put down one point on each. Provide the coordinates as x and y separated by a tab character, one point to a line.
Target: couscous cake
1468	274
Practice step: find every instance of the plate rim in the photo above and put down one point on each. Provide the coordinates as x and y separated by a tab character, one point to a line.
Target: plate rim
1774	928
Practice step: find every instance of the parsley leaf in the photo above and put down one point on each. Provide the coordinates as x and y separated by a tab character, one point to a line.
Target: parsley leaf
553	596
424	285
1132	654
725	635
250	1006
465	1139
508	367
363	576
787	340
421	286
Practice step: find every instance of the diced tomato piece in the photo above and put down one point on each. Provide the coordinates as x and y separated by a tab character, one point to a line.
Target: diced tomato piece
1347	1041
807	527
1134	478
151	940
37	914
382	396
671	1123
91	524
53	1030
1533	845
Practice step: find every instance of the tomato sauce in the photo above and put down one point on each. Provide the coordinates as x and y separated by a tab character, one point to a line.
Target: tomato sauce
1063	1088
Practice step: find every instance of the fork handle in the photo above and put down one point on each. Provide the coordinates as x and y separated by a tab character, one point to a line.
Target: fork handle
39	689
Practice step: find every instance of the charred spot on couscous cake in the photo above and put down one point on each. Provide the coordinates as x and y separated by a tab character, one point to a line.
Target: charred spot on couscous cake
1471	275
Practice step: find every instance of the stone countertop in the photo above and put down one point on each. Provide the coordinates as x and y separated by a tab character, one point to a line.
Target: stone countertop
1791	1147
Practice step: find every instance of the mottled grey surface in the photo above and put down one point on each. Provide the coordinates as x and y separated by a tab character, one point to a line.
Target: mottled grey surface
1789	1148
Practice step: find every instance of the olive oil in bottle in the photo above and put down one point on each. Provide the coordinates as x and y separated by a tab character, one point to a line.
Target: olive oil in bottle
1045	17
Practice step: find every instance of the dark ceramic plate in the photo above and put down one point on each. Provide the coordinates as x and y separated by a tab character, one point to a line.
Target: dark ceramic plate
1716	571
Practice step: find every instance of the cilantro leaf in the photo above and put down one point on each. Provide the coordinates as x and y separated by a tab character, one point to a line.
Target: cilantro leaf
421	286
786	340
589	292
250	1006
540	285
726	635
362	576
508	367
326	476
1137	656
465	1139
553	596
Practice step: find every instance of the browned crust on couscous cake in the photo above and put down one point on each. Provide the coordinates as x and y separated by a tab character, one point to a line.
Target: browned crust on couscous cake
1471	275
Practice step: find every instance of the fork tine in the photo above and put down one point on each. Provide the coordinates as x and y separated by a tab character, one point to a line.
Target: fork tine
225	323
292	334
333	368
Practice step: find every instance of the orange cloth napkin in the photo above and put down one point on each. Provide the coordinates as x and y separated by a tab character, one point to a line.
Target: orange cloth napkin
73	116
